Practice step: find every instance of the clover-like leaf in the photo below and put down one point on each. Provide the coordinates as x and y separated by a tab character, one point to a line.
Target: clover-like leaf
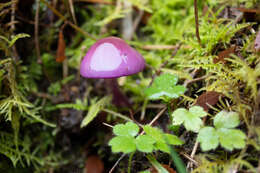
125	144
165	86
172	139
154	132
163	140
226	119
128	129
231	138
208	138
191	119
162	146
145	143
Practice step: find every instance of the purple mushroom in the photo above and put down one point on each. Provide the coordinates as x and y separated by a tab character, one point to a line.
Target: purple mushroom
111	58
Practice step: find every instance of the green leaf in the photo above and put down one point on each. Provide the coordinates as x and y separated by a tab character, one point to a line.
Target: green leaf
94	110
125	144
16	37
145	143
226	119
231	138
199	111
162	146
128	129
154	132
208	138
165	86
190	119
172	139
162	139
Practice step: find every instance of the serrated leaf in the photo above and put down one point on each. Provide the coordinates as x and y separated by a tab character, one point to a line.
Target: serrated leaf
226	119
125	144
145	143
172	139
208	138
190	119
165	86
162	146
199	111
154	132
162	139
94	110
231	138
128	129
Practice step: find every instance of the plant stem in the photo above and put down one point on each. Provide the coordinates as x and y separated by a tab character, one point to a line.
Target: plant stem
130	162
117	115
177	161
197	21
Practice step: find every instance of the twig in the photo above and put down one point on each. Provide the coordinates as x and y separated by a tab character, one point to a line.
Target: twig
127	22
117	162
189	158
117	114
156	118
187	82
197	21
72	11
13	7
137	21
108	125
57	13
36	33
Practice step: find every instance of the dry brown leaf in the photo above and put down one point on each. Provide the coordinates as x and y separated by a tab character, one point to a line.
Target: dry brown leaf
208	98
224	54
61	48
94	165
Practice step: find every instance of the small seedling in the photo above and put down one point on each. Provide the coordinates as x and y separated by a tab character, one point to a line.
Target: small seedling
127	141
223	133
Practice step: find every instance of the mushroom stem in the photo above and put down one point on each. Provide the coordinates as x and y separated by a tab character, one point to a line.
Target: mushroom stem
119	98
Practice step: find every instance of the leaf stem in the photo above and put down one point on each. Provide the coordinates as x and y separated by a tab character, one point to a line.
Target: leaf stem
177	161
130	162
117	114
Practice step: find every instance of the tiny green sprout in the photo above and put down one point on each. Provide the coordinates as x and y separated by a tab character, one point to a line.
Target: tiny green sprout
191	119
164	87
223	133
127	140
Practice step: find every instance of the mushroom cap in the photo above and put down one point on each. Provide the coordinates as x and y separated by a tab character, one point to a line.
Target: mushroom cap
111	57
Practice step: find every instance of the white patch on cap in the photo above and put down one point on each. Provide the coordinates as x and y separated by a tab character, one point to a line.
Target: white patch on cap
105	58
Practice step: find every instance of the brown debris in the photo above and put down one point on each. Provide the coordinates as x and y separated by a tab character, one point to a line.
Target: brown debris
94	165
61	48
207	99
224	54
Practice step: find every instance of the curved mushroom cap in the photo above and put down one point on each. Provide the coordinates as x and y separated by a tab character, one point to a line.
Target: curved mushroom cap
111	57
